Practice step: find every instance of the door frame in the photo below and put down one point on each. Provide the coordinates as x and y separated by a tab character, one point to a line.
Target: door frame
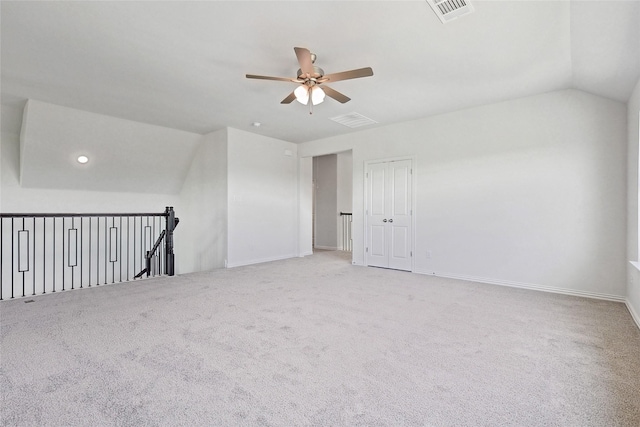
365	240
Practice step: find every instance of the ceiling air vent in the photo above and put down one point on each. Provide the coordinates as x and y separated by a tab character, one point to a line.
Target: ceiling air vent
353	120
448	10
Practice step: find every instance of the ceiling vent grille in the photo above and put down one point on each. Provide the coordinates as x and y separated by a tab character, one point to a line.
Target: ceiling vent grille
353	120
448	10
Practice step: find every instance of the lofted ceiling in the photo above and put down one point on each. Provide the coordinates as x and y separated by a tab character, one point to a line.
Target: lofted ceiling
182	65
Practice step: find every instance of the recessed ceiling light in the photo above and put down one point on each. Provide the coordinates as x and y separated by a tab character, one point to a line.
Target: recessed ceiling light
256	124
83	159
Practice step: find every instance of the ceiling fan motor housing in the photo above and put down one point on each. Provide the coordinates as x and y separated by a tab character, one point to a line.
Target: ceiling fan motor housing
317	73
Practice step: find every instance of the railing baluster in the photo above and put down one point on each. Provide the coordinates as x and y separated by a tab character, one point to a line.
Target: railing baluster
106	256
1	246
113	250
44	255
158	263
63	253
153	233
73	227
89	255
346	231
142	244
160	251
33	274
128	259
81	250
134	245
12	258
120	263
98	252
54	254
19	253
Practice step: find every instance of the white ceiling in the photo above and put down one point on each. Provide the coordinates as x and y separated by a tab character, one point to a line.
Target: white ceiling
182	64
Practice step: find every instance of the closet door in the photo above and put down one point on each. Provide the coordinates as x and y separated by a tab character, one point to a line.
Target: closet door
389	214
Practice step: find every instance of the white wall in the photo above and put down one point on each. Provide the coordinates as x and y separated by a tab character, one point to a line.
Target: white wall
529	192
305	203
325	176
201	236
345	188
262	198
633	284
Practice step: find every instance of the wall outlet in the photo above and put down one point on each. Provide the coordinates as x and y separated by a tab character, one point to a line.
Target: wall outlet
428	254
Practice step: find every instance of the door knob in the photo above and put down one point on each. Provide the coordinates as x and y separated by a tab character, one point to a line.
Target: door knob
384	220
391	220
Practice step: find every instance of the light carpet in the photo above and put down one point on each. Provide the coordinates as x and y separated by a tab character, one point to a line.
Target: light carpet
316	341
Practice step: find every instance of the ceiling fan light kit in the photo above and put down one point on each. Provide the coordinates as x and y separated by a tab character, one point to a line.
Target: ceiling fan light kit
302	94
310	77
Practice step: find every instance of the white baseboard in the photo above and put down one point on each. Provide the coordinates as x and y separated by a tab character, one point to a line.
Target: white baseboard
327	248
634	315
260	260
552	289
304	254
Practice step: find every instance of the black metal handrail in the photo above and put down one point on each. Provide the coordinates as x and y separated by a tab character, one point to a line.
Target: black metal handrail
49	252
85	215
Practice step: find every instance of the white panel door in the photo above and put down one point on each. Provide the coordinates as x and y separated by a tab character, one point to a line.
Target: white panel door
377	213
389	211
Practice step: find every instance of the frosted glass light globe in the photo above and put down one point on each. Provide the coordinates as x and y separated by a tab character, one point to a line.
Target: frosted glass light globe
302	94
317	95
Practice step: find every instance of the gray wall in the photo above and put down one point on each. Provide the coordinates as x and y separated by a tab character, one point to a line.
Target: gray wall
325	173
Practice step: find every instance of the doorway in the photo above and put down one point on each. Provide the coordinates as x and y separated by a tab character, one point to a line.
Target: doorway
332	178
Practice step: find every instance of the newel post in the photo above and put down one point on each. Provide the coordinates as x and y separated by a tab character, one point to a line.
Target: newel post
172	222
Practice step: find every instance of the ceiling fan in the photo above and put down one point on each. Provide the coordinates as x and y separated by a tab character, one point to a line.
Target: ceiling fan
311	77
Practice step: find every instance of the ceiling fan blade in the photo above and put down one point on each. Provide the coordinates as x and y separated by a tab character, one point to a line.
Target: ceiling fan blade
288	99
280	79
335	94
346	75
304	59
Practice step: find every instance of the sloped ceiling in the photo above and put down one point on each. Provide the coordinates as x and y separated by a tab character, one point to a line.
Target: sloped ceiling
182	65
124	156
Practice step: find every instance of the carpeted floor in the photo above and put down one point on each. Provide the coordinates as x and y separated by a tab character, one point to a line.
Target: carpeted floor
317	342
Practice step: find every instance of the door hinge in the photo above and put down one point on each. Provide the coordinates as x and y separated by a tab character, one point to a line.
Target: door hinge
410	171
367	250
367	174
411	253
